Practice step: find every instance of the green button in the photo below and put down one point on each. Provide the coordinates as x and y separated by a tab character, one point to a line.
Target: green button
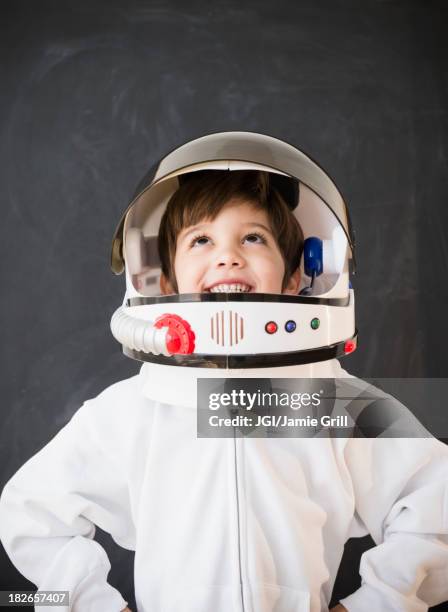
315	323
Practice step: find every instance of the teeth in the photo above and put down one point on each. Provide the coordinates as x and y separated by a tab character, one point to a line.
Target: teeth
227	288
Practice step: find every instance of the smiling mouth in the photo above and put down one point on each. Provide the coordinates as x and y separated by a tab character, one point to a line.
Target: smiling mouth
229	288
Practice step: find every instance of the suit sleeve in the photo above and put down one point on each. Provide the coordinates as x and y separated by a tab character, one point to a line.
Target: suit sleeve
401	495
48	512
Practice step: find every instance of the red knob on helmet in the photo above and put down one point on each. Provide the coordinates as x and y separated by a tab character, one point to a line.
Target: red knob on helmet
179	337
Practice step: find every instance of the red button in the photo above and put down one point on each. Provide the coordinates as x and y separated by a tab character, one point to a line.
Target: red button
271	327
349	346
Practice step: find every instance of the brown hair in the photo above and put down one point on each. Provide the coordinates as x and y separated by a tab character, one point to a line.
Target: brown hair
206	192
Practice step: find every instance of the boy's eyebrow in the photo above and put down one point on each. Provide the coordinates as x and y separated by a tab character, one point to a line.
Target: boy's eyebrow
253	223
196	228
192	229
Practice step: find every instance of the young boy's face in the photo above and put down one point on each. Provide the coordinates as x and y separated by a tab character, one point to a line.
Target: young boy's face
235	252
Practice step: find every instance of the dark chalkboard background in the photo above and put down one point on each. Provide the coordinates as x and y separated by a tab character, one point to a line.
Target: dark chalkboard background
92	93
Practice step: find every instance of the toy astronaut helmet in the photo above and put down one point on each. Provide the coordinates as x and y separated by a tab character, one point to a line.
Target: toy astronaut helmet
236	329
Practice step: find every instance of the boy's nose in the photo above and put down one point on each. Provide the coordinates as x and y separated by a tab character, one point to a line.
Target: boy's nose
230	260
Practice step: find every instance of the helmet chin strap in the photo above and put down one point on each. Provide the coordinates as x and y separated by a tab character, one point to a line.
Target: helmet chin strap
158	379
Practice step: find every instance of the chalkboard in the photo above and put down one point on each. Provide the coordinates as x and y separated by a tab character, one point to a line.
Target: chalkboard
93	93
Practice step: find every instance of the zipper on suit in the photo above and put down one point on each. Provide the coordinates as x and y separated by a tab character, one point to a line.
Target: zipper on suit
238	522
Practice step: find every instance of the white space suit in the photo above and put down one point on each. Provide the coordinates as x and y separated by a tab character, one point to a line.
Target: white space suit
235	524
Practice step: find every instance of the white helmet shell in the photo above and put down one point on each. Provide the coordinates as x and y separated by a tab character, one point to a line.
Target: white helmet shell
230	330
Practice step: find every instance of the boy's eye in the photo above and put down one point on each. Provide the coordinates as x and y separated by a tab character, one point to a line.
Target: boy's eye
255	238
199	240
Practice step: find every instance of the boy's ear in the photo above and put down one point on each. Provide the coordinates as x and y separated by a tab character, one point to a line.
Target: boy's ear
165	285
292	286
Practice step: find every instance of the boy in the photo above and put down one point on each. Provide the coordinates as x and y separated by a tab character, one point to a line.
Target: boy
207	536
224	227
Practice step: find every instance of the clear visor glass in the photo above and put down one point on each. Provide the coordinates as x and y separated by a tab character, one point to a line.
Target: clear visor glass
323	263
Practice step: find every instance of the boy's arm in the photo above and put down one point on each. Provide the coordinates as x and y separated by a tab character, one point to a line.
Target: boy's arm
401	494
47	515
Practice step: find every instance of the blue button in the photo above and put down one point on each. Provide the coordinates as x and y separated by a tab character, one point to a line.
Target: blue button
290	326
